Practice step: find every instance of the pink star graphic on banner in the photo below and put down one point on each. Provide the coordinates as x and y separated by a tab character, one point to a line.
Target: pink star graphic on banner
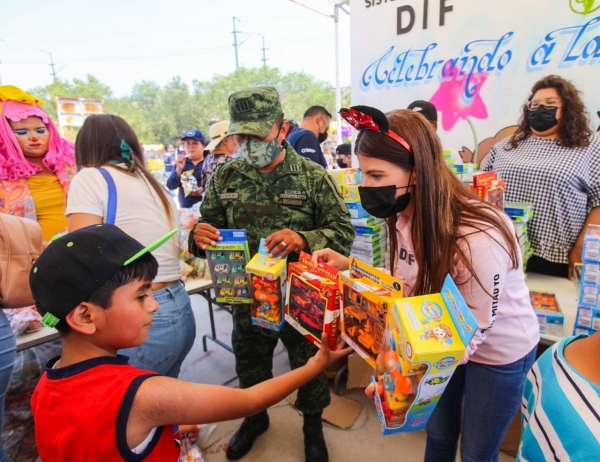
448	99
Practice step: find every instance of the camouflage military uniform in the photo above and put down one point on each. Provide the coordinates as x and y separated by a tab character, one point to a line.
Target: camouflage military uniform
298	194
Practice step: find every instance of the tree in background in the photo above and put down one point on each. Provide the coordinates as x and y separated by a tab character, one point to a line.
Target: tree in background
160	114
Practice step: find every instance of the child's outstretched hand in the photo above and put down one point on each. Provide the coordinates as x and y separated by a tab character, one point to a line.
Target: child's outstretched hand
189	431
331	257
325	356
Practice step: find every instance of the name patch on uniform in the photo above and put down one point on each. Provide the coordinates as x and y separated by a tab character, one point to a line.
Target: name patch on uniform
229	196
293	194
294	167
297	202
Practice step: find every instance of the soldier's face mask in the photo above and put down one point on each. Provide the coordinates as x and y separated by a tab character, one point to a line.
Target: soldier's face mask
260	153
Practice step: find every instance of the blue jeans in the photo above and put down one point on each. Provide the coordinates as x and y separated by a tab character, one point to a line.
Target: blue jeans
492	397
171	335
8	352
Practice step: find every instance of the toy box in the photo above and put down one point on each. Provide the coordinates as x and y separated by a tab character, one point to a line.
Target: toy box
484	177
590	273
492	192
268	276
521	212
426	339
350	193
588	318
313	304
366	294
588	295
367	221
581	330
548	312
356	210
227	262
591	244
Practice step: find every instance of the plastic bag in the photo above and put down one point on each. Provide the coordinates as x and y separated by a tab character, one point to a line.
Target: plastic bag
191	266
18	433
190	452
188	182
23	320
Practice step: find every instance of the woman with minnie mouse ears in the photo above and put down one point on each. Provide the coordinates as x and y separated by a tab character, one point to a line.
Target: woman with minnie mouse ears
440	227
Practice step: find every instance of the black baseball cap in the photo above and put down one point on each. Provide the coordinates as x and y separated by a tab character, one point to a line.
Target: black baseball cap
428	110
73	266
194	135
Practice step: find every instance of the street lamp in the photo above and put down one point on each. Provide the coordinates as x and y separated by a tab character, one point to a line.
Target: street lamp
337	5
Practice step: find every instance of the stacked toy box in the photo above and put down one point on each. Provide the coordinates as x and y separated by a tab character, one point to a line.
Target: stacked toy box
588	310
521	213
370	244
548	312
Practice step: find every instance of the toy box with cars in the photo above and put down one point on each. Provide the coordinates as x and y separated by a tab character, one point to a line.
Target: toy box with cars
312	300
227	263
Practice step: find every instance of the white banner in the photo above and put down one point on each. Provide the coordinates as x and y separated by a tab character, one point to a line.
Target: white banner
472	58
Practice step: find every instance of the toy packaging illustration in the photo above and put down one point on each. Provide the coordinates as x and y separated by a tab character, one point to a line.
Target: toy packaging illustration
426	338
227	262
268	277
366	295
313	303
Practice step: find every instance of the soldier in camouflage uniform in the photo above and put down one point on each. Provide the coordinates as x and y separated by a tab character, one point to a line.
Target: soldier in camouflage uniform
272	192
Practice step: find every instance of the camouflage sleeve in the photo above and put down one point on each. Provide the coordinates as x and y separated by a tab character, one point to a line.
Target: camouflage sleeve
211	211
334	229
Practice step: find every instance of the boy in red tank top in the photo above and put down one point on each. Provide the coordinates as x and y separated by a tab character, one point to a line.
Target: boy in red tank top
94	286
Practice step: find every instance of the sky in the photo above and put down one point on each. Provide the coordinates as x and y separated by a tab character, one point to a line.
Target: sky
122	42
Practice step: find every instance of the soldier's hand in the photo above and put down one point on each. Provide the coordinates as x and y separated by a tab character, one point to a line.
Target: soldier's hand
281	243
331	257
205	234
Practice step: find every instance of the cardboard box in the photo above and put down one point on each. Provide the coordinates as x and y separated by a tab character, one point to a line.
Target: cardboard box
366	294
590	273
428	336
268	276
227	263
359	372
548	312
368	221
521	212
582	330
492	192
313	304
591	244
484	177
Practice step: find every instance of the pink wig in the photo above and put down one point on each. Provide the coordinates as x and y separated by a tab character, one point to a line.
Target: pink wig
13	165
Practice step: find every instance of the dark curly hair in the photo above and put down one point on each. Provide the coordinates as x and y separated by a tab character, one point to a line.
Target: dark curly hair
574	130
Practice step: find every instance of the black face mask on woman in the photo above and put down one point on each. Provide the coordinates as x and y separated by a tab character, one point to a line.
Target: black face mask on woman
543	118
381	202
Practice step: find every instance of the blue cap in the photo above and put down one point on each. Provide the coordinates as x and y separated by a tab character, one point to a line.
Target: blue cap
194	135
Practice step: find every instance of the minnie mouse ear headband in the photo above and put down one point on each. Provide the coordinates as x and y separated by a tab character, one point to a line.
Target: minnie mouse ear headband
369	118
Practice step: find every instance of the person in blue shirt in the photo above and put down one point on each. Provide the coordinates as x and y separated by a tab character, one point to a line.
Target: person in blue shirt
307	138
194	145
561	403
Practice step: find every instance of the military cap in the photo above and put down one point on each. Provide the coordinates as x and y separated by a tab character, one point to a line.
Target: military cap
253	111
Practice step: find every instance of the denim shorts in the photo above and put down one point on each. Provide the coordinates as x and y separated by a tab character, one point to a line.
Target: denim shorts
171	335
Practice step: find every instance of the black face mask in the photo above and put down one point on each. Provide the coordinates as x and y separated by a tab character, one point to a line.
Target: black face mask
341	163
543	118
381	202
322	137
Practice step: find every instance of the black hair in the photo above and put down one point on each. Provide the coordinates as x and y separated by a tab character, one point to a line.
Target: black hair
315	111
144	268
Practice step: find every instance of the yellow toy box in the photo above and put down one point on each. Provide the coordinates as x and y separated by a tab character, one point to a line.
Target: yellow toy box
268	277
426	338
366	295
